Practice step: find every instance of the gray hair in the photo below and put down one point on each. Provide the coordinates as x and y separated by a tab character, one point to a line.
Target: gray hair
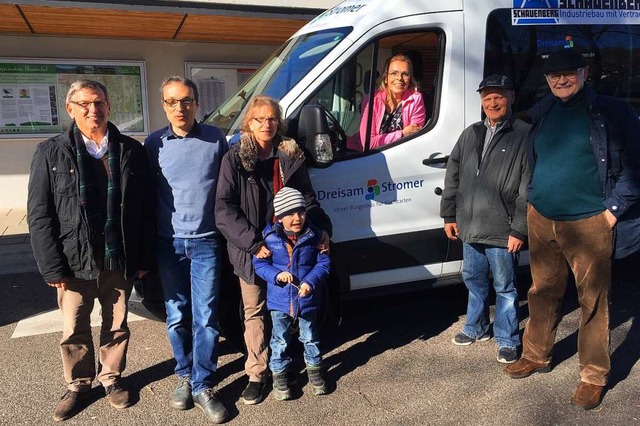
182	80
86	84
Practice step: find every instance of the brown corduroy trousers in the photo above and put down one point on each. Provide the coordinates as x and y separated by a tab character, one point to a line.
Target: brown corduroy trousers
584	246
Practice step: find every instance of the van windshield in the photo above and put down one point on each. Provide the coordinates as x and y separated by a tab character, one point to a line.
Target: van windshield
279	73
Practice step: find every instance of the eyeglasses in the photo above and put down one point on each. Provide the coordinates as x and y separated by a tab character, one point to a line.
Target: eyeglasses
271	120
87	104
398	74
569	75
172	103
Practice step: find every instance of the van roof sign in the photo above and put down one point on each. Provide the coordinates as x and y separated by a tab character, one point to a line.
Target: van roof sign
363	15
349	7
572	12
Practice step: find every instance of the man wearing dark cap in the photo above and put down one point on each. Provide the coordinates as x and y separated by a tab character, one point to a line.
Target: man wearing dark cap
584	152
484	205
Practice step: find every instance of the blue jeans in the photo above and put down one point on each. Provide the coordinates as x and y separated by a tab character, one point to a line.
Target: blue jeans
478	258
190	274
281	335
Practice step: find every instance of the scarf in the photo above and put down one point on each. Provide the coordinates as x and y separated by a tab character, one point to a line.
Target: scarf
278	181
113	250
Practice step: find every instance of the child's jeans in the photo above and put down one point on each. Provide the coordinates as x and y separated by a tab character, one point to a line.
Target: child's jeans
282	334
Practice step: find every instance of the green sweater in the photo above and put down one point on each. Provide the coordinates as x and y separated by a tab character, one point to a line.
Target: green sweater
565	183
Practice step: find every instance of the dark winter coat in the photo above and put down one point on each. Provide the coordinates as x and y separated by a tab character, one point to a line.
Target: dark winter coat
240	211
486	197
57	223
306	264
615	139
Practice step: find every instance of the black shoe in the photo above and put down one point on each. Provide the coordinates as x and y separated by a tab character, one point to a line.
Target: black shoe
316	380
70	404
208	402
281	389
461	339
253	393
507	355
181	398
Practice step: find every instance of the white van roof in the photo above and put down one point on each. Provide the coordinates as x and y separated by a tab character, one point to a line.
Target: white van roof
369	13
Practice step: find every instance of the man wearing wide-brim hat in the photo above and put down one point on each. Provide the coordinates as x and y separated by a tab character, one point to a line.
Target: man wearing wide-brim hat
583	209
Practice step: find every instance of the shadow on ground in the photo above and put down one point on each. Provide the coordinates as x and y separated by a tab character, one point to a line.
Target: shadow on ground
391	322
24	295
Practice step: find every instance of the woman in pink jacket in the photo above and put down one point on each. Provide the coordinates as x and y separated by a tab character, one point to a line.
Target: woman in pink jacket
398	107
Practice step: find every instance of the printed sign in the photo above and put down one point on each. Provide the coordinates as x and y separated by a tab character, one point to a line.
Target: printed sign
575	12
32	95
216	82
375	193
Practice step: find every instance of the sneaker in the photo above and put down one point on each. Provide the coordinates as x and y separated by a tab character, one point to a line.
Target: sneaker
181	398
117	396
253	393
316	380
507	355
462	339
70	404
208	402
281	389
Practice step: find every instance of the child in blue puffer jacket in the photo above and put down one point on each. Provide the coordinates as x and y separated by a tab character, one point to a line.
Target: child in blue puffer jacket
294	273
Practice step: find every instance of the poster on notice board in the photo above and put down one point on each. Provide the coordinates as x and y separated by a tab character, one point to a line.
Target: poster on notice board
216	82
33	94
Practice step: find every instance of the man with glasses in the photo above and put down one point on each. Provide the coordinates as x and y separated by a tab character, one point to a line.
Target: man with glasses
583	209
90	213
185	159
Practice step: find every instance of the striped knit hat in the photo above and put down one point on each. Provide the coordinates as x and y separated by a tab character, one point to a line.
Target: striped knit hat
287	201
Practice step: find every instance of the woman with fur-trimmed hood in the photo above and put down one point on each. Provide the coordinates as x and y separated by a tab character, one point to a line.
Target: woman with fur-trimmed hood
251	173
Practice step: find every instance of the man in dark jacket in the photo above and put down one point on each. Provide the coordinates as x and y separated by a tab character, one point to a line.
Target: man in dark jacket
91	219
585	154
484	204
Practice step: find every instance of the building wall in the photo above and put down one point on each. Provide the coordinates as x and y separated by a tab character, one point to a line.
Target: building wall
162	59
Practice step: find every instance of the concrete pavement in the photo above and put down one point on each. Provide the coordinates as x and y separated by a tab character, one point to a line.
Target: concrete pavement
391	363
15	250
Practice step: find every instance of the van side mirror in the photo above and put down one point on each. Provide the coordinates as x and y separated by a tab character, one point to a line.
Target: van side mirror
313	134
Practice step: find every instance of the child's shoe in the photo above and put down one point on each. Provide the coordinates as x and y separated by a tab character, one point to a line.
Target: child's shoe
316	380
281	389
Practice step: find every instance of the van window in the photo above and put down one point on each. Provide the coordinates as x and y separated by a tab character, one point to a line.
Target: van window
280	72
346	93
612	53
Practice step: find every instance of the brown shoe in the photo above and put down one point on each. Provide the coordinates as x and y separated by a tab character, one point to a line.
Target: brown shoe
117	396
524	368
70	404
587	396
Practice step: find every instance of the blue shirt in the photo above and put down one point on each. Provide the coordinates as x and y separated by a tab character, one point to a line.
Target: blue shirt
186	174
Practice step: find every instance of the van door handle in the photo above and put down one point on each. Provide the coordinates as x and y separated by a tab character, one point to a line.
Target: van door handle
437	160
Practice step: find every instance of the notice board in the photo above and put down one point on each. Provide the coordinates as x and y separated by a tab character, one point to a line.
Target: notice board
33	92
216	82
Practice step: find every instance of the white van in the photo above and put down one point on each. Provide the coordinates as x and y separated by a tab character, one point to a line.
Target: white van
384	203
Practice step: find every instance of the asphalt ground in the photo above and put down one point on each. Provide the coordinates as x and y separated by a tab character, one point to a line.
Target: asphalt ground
390	363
